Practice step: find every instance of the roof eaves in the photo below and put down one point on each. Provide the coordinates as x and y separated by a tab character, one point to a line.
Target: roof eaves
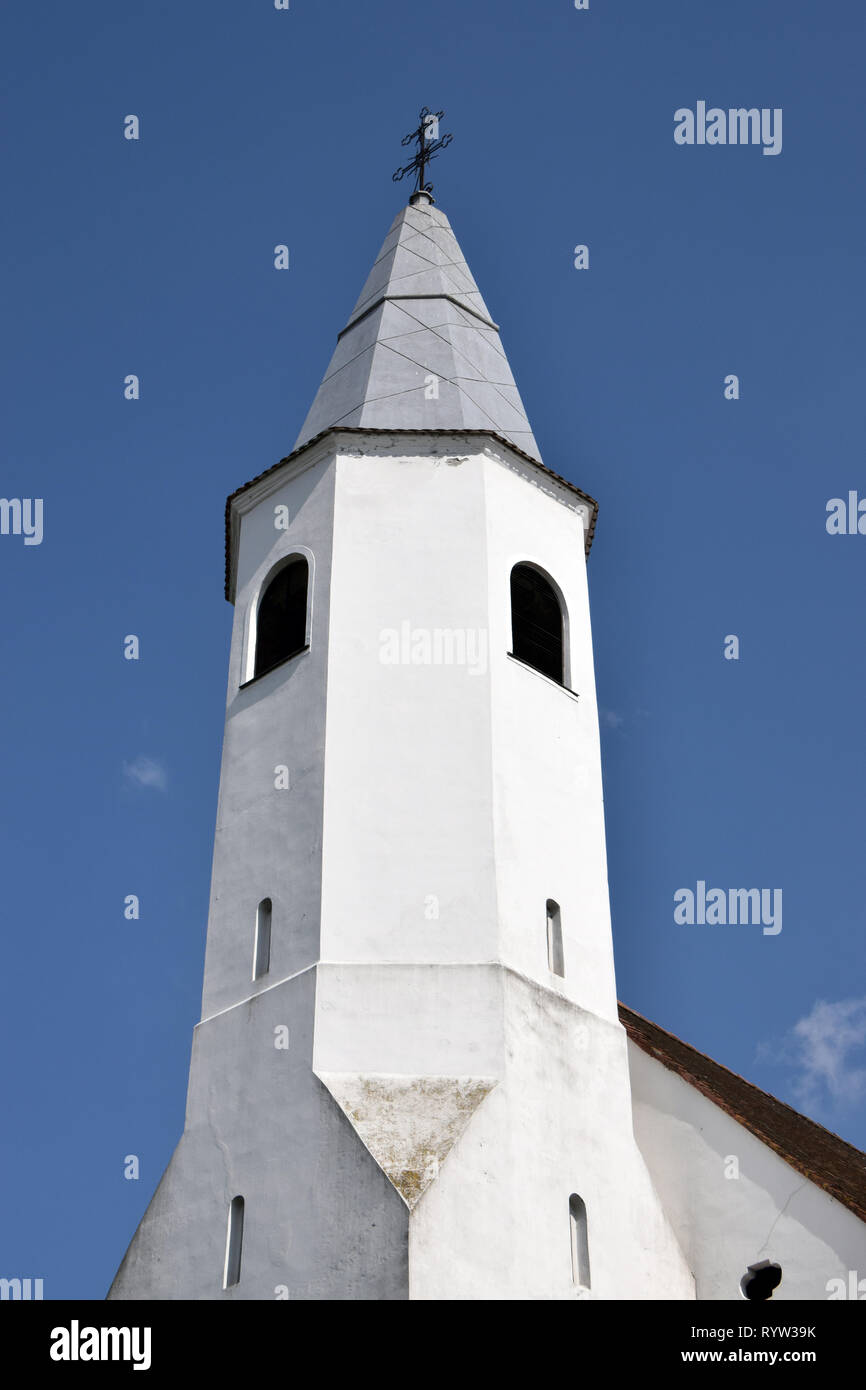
821	1156
360	429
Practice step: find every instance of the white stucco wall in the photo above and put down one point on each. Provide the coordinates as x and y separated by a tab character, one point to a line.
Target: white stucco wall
481	790
495	1224
268	841
321	1219
547	789
408	793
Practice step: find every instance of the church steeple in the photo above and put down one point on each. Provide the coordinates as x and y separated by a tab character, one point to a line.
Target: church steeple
409	1079
420	349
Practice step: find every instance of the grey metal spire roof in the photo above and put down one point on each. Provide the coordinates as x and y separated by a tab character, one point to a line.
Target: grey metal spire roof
420	327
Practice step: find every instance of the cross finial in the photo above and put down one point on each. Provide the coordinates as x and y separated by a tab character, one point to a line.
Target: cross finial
429	145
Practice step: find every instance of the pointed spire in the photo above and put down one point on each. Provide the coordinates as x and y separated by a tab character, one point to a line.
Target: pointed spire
420	350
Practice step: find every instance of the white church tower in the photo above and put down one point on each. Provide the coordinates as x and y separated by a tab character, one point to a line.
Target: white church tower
409	1079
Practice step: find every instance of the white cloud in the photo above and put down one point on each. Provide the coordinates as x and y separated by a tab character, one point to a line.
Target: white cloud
610	718
823	1049
145	772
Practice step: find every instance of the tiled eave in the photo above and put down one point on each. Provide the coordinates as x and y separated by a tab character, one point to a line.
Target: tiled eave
507	444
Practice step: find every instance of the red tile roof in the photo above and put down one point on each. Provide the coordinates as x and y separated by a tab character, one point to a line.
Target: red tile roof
825	1159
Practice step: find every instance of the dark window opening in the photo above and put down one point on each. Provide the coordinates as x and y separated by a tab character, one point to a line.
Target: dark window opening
579	1241
555	957
760	1280
536	623
234	1243
262	952
281	625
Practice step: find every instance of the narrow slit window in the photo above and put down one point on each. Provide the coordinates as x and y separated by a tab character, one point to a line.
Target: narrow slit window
555	957
234	1243
262	950
281	622
579	1241
537	623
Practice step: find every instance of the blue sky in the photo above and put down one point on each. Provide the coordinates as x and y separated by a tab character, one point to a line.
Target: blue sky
155	257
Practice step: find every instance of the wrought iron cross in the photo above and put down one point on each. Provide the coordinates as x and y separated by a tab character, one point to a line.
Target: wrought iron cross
427	148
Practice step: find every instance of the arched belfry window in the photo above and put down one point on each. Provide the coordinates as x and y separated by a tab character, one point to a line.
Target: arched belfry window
537	622
281	621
